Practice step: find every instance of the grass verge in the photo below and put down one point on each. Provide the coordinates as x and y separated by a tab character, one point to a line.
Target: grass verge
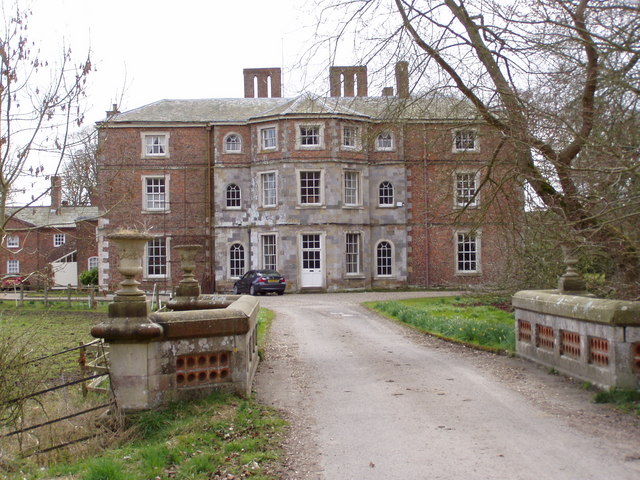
625	400
474	321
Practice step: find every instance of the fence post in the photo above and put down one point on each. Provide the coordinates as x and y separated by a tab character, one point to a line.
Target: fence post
46	294
92	298
69	295
22	294
83	366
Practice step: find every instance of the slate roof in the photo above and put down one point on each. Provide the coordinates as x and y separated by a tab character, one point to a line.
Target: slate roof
244	110
66	217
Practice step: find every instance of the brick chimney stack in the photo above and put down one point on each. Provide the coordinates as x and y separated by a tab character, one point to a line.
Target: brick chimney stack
114	110
402	79
263	75
348	81
56	193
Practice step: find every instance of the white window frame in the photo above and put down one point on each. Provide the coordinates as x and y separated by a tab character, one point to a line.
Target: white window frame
167	264
353	253
13	266
459	142
59	239
262	134
300	187
300	137
233	199
13	241
263	191
233	261
231	146
272	262
380	196
93	262
462	191
352	195
474	254
377	265
145	203
354	136
382	147
145	145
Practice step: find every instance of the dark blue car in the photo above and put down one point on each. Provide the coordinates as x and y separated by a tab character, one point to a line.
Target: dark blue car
256	282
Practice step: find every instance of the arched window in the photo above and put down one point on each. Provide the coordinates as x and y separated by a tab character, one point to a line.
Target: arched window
384	141
233	143
385	194
384	259
233	196
236	260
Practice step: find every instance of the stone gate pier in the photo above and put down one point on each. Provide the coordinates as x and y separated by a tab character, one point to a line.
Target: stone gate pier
588	338
200	344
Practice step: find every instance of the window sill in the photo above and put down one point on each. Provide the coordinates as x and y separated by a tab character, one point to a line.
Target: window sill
307	206
151	212
352	207
468	274
232	152
354	276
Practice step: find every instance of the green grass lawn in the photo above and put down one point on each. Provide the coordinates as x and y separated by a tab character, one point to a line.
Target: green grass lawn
471	320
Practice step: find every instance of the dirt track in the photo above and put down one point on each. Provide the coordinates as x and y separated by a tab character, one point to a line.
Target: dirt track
369	399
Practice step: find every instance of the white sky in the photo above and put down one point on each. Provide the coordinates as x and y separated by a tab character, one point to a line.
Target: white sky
147	50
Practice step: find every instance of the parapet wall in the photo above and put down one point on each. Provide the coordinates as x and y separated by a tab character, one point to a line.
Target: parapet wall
592	339
199	351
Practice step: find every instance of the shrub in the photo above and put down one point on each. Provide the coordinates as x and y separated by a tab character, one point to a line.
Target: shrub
89	277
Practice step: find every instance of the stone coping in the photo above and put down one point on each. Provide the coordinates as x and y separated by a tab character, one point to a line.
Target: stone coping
580	307
202	302
237	318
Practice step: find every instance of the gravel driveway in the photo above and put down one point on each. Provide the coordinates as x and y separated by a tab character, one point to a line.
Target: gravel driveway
370	399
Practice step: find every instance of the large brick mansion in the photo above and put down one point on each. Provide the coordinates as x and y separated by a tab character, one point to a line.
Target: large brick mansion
337	193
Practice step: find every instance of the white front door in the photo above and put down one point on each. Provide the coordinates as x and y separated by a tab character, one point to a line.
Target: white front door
311	274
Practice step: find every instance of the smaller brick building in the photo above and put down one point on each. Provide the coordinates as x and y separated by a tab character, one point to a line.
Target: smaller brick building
57	242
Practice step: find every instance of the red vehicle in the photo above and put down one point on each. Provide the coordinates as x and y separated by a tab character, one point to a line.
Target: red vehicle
13	281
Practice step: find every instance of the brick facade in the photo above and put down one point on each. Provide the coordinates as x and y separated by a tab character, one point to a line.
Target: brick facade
50	242
330	191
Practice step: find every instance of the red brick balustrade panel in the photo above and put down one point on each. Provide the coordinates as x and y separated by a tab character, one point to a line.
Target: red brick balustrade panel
635	357
524	331
544	337
599	351
203	369
570	344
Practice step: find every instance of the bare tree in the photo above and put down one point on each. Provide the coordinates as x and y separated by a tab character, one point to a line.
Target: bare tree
79	170
557	79
39	104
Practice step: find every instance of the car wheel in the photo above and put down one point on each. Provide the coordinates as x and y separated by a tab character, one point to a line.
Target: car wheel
235	290
252	290
281	293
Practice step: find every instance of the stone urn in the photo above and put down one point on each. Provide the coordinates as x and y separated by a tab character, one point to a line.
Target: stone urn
571	280
128	311
188	286
130	246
